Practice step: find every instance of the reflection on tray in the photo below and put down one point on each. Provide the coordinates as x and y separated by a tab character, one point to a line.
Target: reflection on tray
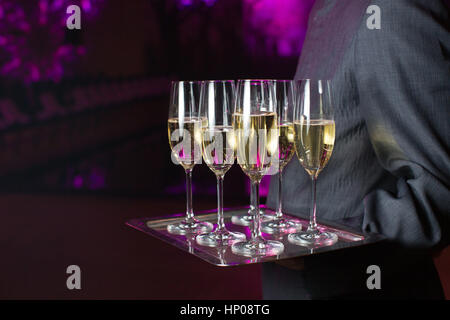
224	257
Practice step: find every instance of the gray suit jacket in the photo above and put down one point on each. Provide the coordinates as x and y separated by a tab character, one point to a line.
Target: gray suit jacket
390	168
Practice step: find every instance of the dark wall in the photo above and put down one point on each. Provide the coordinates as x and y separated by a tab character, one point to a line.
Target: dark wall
66	135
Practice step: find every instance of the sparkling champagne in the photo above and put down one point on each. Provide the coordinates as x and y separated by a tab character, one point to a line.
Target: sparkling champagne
185	139
285	144
314	143
256	142
219	148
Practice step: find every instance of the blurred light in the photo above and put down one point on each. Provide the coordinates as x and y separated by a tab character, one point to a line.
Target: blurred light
276	24
186	3
77	182
189	3
32	38
209	3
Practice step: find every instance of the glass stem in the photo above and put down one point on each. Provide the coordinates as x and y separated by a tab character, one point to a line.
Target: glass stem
279	213
312	221
252	199
220	219
256	232
189	210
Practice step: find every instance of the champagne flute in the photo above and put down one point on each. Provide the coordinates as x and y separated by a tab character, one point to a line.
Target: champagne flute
218	140
184	128
314	141
285	100
255	128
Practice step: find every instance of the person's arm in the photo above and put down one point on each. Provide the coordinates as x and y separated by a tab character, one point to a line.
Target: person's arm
403	76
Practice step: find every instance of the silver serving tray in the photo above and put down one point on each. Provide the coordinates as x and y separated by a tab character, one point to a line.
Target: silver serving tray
157	227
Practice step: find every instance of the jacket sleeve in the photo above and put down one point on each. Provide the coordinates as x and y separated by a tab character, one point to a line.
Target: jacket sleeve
403	76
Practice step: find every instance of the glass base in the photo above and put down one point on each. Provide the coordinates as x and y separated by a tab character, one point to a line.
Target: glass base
250	211
219	238
281	226
313	238
247	219
258	248
190	226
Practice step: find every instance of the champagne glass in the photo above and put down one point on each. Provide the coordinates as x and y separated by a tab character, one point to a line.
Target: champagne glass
285	100
314	141
184	128
216	105
255	128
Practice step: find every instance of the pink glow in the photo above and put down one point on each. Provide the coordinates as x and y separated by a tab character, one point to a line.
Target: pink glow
32	38
86	5
276	25
77	182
